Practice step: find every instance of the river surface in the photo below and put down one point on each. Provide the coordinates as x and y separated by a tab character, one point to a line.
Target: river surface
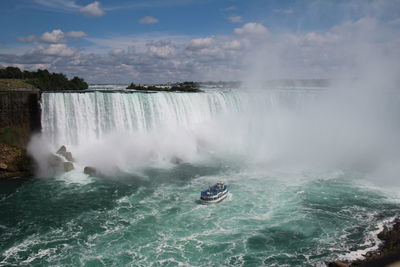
157	152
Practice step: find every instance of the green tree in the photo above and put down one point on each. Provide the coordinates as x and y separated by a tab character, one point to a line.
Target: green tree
44	80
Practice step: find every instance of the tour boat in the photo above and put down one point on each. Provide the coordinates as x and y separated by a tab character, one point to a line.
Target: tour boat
214	194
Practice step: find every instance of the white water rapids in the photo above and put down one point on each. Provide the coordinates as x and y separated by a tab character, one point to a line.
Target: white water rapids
288	127
296	163
129	130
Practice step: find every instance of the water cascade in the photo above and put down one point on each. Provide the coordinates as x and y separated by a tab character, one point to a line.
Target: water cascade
74	118
159	150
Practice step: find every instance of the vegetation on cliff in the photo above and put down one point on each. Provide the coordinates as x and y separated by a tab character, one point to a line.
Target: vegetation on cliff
42	79
189	87
11	84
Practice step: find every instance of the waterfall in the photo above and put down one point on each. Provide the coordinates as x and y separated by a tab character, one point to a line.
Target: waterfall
128	129
325	128
73	118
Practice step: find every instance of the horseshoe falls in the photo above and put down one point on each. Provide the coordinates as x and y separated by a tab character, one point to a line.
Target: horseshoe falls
77	118
310	181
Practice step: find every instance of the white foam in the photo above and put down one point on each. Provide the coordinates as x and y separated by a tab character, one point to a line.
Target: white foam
371	240
76	176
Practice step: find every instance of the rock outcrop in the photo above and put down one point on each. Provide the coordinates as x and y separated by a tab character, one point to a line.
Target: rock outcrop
3	167
61	161
387	254
62	151
54	164
19	116
176	160
19	119
14	162
337	264
90	171
68	166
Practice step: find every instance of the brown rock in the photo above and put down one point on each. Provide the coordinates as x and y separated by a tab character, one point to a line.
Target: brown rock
14	162
388	253
19	116
68	166
68	156
90	170
176	160
62	150
3	167
337	264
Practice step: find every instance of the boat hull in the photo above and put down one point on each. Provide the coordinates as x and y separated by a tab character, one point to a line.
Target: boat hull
206	202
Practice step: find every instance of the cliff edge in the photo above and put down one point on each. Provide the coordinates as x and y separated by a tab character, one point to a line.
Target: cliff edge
19	119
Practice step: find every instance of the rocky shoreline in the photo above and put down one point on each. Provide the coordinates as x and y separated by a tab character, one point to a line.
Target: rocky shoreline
388	253
15	163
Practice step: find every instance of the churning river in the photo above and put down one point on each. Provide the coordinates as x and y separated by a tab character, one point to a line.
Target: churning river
303	190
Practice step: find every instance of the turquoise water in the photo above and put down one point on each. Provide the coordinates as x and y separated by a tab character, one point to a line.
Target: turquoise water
154	219
300	165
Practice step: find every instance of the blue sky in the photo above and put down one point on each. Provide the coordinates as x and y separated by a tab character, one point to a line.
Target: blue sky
159	40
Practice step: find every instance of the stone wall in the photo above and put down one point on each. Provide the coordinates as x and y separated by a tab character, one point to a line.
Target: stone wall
19	115
19	119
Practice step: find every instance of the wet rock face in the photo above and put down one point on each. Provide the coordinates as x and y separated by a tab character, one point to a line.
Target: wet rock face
176	160
19	119
19	116
90	170
60	162
68	156
62	151
55	164
392	236
68	166
337	264
388	254
14	162
3	166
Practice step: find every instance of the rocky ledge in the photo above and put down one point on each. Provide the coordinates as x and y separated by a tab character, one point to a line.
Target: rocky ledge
388	253
14	162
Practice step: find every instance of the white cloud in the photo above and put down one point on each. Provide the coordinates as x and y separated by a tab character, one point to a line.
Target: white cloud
252	30
59	4
235	19
200	43
366	29
233	45
117	52
28	39
284	11
148	20
395	21
229	8
159	58
93	9
76	34
161	50
55	36
53	50
57	50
